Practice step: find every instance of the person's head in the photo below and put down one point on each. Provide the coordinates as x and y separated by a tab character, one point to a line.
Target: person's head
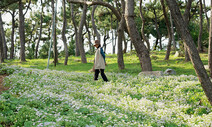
96	43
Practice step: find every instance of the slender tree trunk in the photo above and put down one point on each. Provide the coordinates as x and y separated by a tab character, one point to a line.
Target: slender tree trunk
3	37
77	52
206	15
172	31
1	49
157	29
21	32
140	48
64	32
89	36
200	47
125	44
142	27
186	17
168	29
96	33
193	53
54	36
156	43
120	59
80	41
12	36
114	43
210	45
41	28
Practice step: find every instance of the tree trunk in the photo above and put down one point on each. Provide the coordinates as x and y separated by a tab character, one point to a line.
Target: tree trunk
80	41
193	53
125	43
64	32
3	37
54	36
140	48
77	53
1	50
12	36
186	17
168	29
96	33
89	36
172	31
41	26
206	15
142	27
21	32
120	59
157	29
200	47
210	45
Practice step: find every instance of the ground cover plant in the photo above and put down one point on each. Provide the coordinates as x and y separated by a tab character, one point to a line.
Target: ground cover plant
60	98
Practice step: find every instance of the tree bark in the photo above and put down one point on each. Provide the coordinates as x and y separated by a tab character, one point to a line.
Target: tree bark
186	17
210	45
157	29
64	32
96	33
142	27
89	36
54	36
40	34
3	37
140	48
77	52
206	15
12	35
172	31
1	50
21	32
192	50
200	47
168	29
80	41
120	59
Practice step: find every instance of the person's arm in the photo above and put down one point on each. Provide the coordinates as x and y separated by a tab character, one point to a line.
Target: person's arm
102	52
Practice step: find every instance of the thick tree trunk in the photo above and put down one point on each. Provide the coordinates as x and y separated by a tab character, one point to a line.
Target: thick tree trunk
55	51
21	32
125	44
12	36
3	37
77	52
142	27
96	33
64	32
120	59
140	48
168	29
200	47
40	34
80	41
193	53
186	17
210	45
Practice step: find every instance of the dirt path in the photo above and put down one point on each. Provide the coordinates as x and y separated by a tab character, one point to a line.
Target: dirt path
2	88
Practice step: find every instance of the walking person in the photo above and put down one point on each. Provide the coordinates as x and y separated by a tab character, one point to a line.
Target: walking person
99	62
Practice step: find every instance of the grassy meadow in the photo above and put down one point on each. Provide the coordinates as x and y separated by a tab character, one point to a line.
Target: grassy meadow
132	65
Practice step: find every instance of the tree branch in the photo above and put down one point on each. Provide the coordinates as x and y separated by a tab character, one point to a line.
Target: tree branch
91	3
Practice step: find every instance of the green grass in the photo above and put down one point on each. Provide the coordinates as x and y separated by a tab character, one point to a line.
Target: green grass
132	65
